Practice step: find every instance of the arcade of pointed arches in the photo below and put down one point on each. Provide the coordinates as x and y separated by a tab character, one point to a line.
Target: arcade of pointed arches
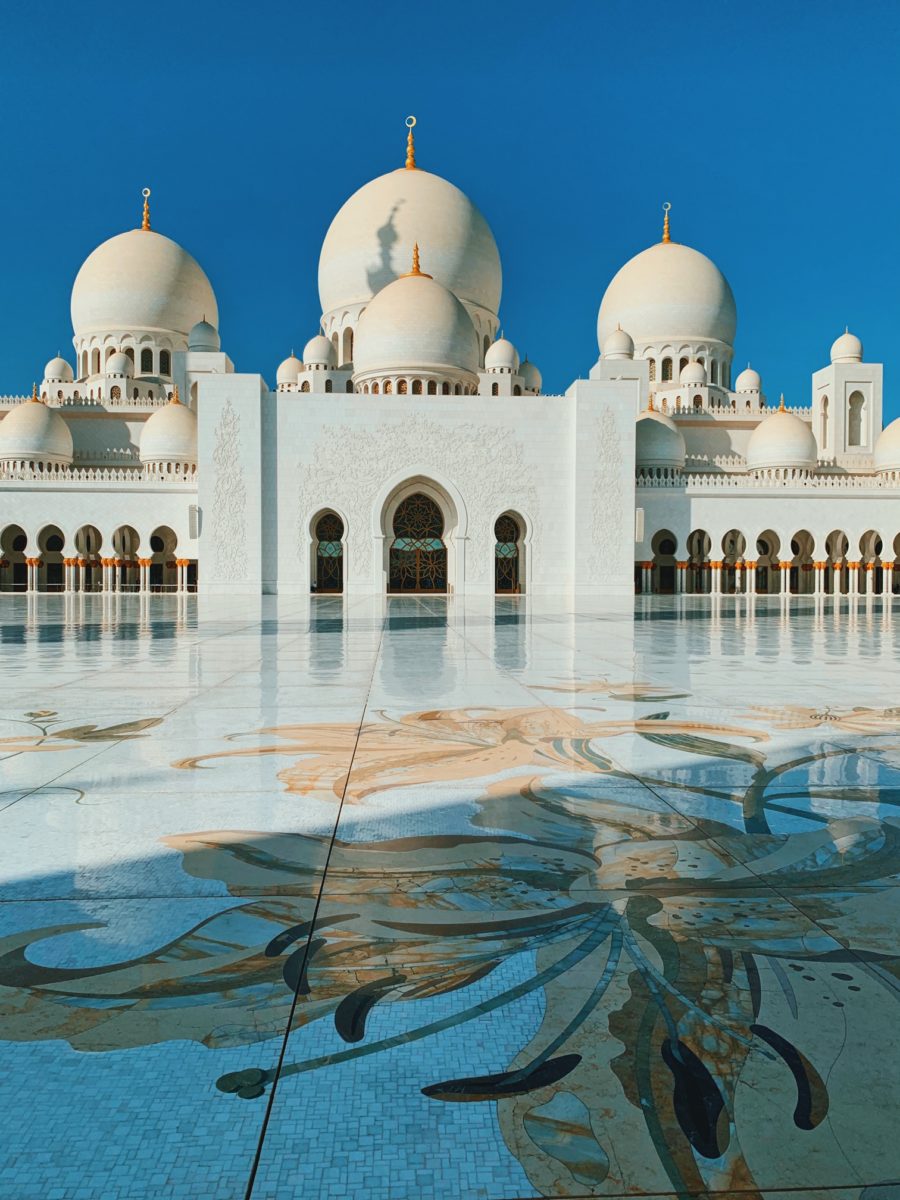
770	564
49	560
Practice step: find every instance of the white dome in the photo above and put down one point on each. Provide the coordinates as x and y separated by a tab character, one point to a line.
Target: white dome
748	380
58	370
34	432
204	338
143	281
320	352
693	374
170	435
847	348
289	370
501	356
415	323
530	376
887	448
119	364
658	441
782	440
669	292
370	241
619	344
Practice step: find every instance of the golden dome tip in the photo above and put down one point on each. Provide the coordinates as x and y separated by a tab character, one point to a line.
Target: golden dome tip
145	221
410	144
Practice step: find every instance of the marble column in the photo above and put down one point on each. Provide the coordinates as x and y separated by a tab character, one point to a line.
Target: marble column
819	579
681	569
784	583
738	577
750	567
853	568
715	578
646	578
887	579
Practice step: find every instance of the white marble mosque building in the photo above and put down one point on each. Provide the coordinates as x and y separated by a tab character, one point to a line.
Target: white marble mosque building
411	449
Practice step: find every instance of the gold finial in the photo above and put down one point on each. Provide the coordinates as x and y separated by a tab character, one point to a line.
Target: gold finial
410	144
781	407
175	398
145	223
34	394
416	268
650	407
665	236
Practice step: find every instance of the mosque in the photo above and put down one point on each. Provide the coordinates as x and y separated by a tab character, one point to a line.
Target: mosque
412	449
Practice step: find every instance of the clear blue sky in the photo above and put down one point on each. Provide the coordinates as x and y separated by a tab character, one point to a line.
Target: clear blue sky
771	127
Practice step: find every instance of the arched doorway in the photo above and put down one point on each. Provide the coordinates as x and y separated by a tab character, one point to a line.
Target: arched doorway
418	557
13	567
803	546
768	577
507	555
329	534
50	572
699	545
836	546
125	542
734	547
870	571
163	568
663	545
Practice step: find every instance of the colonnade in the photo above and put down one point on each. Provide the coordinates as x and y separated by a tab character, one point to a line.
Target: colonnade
706	579
106	575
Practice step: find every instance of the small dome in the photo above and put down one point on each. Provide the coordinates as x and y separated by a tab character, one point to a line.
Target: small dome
36	433
658	441
782	440
530	376
204	338
119	364
669	292
140	280
887	448
748	380
58	370
415	323
619	344
170	435
320	352
847	348
289	370
693	374
501	356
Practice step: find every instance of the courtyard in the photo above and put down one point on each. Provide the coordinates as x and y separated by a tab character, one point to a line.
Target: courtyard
413	897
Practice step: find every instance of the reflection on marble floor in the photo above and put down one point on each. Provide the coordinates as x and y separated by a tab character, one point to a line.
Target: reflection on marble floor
418	899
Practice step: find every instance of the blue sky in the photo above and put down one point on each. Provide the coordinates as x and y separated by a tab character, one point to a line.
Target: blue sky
771	128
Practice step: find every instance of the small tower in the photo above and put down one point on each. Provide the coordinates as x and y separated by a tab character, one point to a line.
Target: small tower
846	403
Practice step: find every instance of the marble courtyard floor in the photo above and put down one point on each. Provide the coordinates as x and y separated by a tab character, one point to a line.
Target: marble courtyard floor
416	899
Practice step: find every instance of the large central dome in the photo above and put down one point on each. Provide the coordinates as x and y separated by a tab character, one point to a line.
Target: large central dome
669	292
141	280
370	241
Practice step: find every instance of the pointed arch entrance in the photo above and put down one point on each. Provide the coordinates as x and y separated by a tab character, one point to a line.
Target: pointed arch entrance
508	574
329	539
418	555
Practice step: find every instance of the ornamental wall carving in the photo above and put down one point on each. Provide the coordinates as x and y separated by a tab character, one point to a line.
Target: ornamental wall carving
484	463
229	499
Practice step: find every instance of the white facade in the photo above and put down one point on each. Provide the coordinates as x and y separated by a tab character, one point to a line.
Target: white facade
410	449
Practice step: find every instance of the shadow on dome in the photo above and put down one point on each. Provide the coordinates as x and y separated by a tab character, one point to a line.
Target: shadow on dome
388	237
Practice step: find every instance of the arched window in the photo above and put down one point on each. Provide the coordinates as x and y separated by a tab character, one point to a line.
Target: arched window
432	387
95	362
486	345
388	387
329	553
506	554
110	351
375	389
457	390
445	389
348	386
417	387
517	390
401	387
348	346
495	389
418	556
698	403
713	372
682	364
824	421
147	361
328	385
134	394
84	364
129	351
304	387
856	419
666	369
165	362
335	341
652	363
115	393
